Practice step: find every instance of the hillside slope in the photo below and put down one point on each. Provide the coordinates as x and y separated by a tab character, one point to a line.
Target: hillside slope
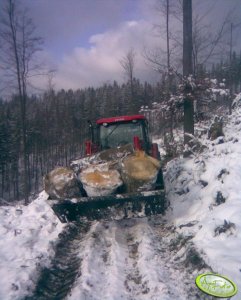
205	195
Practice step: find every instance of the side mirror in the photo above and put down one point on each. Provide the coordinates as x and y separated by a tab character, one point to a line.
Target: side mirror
154	151
88	147
137	143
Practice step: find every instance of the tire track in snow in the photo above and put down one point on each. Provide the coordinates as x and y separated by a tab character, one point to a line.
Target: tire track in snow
56	281
135	282
144	272
102	260
172	258
131	259
120	262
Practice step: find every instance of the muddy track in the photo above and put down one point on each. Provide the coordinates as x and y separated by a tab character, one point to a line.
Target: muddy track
136	259
56	281
111	260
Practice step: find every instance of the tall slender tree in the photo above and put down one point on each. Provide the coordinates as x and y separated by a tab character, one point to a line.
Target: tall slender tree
187	69
128	64
19	46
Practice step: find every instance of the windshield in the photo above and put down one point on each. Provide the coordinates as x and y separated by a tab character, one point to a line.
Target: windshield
114	135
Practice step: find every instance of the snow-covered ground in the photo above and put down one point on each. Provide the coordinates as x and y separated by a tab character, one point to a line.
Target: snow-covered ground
205	195
132	259
141	259
26	244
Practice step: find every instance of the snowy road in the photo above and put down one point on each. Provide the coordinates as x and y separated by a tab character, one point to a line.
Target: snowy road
133	259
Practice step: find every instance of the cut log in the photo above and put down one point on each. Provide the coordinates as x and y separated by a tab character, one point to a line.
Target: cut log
139	171
62	183
109	155
100	181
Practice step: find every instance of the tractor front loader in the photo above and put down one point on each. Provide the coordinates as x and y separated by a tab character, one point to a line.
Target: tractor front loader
119	177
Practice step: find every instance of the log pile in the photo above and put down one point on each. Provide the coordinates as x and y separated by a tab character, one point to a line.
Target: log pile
131	170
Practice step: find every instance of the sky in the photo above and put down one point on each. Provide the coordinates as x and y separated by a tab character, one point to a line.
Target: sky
86	39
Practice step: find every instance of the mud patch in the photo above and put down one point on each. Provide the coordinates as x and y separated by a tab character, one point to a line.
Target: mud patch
56	282
133	250
194	260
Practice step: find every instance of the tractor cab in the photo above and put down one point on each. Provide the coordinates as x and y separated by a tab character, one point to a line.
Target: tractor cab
119	131
115	132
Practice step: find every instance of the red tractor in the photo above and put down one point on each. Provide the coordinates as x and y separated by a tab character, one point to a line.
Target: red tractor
110	137
114	132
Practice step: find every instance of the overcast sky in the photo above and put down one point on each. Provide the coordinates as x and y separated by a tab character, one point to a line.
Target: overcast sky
86	39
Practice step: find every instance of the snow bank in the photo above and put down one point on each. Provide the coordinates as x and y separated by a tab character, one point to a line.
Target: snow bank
205	195
26	245
236	101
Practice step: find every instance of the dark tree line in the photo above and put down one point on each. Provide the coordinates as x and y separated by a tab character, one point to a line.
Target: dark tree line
56	127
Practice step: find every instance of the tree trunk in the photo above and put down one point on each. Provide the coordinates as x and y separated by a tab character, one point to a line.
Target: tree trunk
187	68
168	48
22	94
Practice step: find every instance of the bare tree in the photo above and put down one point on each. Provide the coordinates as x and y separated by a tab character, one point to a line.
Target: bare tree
50	80
166	11
19	46
163	59
128	64
208	44
187	69
208	40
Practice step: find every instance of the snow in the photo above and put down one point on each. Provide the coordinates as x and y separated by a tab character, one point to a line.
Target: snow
236	100
221	92
214	81
125	260
131	259
193	185
26	245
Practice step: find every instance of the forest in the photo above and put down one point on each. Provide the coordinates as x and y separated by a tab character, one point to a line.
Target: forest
39	131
